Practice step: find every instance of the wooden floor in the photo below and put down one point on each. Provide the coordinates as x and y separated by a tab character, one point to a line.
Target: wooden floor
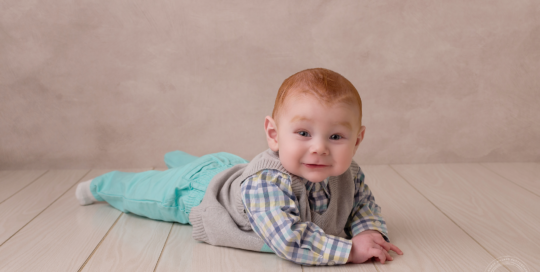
445	217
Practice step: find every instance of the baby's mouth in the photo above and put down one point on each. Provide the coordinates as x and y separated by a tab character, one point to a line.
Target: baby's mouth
315	165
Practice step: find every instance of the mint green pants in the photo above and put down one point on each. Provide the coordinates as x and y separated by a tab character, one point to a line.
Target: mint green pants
163	195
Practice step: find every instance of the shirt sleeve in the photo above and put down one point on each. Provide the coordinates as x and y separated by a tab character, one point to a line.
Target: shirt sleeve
366	214
273	212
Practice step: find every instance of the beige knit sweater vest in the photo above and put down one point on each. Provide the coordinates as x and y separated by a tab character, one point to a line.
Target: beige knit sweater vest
221	218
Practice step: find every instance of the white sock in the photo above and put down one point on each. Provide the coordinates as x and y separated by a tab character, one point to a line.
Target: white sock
83	193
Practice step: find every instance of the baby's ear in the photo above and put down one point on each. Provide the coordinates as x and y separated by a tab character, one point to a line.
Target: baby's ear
271	133
359	137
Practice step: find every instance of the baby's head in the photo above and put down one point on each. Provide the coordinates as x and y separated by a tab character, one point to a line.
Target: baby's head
316	125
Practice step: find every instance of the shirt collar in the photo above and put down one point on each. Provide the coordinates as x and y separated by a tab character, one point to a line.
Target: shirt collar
324	185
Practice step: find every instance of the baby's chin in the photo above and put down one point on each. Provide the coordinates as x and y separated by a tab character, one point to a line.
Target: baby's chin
318	176
313	177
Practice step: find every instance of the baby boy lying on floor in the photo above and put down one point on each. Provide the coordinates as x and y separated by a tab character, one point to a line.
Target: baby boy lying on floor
304	198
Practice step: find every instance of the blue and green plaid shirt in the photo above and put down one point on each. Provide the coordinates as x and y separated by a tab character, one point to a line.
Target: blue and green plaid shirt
272	209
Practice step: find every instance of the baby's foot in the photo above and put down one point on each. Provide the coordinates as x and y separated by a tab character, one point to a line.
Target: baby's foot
83	193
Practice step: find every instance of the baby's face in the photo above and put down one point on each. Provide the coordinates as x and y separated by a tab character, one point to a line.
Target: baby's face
316	141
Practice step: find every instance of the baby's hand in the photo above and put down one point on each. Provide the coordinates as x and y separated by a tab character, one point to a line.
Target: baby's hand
370	243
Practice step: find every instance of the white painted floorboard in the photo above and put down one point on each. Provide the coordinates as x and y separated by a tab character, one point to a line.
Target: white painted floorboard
425	235
500	215
62	237
134	244
445	217
526	175
23	206
183	253
13	181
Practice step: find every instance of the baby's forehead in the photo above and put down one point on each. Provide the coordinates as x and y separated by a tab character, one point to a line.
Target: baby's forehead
299	96
292	102
299	119
297	114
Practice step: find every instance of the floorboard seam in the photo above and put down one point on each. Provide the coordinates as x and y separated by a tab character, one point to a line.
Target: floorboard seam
25	186
448	216
164	245
509	180
44	209
101	241
376	268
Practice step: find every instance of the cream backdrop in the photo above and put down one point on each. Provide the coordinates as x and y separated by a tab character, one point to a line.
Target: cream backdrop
119	83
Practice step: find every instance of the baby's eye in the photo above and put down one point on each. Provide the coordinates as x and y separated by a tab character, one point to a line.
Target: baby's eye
303	133
335	137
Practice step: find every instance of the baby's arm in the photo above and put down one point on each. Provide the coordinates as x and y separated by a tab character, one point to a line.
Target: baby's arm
273	212
366	214
367	226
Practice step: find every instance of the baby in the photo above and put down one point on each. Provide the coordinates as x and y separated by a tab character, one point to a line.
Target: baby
304	198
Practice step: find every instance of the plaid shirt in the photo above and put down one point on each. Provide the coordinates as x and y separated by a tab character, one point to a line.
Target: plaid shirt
272	210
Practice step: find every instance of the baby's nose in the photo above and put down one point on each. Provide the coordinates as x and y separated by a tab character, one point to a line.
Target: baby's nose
319	147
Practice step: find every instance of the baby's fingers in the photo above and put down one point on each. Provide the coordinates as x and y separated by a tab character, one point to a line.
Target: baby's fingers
384	245
395	249
388	257
379	253
389	246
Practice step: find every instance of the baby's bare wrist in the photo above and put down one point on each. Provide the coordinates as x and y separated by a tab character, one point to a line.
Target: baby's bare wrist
350	259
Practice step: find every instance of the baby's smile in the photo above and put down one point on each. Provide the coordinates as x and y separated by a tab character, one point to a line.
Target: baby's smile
315	166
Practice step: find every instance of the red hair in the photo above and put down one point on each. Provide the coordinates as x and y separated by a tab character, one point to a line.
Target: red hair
328	86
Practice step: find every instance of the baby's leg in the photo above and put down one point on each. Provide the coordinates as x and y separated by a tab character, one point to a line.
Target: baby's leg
152	194
163	195
172	159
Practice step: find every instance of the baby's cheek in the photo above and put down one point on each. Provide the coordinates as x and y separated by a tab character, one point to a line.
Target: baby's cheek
343	165
289	164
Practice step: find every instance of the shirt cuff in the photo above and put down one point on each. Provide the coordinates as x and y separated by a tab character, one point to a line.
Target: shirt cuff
384	235
373	225
336	251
